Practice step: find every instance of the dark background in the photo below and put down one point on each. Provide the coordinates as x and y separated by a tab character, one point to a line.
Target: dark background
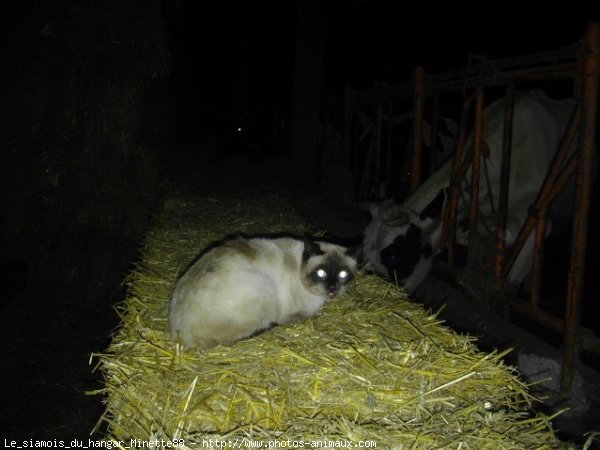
99	98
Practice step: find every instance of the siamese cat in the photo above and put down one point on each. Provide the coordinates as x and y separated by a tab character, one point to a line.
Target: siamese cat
247	285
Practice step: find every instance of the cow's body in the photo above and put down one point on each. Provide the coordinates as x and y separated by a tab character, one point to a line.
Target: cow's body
402	239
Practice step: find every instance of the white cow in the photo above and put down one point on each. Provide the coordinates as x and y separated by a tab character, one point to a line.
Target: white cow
402	240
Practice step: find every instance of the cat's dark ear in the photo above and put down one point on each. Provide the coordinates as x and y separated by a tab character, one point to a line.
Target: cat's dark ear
311	248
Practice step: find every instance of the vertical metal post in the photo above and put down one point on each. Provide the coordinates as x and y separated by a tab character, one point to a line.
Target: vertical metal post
476	167
591	73
451	212
555	181
558	164
419	108
538	255
500	255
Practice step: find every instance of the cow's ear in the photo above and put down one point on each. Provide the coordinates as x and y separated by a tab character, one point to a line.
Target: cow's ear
435	207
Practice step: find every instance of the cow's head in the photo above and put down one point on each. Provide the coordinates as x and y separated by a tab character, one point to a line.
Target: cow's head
401	243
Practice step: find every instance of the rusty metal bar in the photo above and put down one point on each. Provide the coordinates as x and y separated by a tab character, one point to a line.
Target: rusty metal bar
500	254
451	212
452	209
462	138
545	202
582	204
557	72
547	319
442	84
551	58
557	178
419	102
558	164
589	341
538	256
560	183
550	190
476	167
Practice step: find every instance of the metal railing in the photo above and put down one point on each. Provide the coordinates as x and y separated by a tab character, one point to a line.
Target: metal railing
581	63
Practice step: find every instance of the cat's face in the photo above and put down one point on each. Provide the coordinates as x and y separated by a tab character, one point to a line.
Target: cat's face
327	269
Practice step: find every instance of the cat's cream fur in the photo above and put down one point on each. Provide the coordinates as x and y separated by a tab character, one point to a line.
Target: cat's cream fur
246	285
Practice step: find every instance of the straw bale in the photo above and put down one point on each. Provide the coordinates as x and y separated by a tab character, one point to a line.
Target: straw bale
372	366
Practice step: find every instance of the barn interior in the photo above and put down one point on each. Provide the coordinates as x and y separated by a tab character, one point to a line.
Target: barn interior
107	106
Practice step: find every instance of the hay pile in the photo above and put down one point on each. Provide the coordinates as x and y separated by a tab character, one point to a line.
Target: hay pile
372	368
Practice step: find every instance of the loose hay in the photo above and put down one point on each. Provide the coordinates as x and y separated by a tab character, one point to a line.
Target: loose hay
371	367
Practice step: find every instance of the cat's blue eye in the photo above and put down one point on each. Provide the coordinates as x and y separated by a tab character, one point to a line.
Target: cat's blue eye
343	275
322	274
